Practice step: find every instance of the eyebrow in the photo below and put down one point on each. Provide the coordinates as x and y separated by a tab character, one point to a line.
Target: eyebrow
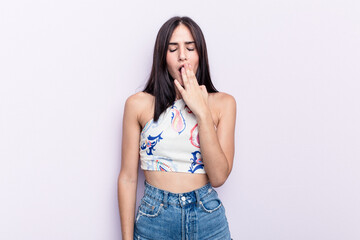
174	43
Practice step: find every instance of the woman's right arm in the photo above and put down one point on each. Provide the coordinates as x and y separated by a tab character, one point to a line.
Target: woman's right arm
127	180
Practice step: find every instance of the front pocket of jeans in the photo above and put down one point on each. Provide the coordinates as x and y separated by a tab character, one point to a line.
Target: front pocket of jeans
211	205
150	209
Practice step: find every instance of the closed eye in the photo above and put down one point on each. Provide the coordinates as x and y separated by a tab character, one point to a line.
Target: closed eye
173	50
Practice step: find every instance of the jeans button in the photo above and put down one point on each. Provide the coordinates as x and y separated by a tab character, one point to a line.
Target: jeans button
183	198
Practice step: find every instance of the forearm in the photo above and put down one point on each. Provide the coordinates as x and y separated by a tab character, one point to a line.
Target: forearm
213	157
127	201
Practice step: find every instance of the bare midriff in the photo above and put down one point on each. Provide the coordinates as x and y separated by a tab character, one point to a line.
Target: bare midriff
176	182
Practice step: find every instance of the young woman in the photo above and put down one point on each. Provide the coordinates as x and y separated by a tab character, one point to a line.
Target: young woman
182	129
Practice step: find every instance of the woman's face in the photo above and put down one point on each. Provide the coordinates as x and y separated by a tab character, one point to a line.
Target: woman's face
181	50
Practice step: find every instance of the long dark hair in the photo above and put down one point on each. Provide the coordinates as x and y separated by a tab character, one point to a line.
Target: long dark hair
160	83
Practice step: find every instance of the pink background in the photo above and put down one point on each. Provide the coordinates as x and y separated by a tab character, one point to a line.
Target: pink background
67	67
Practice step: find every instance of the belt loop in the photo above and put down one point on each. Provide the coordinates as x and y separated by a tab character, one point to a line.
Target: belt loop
165	200
197	198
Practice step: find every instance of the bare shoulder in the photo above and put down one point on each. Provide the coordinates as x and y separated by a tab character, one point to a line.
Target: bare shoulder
222	97
138	104
222	101
139	99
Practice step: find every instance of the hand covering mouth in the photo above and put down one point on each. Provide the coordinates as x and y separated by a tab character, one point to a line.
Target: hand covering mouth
180	68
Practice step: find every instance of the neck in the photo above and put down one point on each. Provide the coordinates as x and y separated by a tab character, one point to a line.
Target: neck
178	94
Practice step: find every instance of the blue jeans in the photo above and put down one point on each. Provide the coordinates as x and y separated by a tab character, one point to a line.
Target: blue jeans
196	215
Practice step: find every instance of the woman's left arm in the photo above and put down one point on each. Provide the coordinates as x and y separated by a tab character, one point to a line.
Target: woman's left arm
217	147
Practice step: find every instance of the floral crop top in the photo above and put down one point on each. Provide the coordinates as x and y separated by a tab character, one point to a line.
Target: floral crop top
172	143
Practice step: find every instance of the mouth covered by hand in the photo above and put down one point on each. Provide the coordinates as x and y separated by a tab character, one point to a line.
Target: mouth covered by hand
194	95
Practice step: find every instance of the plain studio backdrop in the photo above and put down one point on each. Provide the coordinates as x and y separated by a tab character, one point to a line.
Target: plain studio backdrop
67	67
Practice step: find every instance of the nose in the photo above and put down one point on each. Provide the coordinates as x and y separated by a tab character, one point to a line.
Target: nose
182	54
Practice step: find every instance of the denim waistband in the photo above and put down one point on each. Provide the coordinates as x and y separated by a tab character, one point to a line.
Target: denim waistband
181	199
